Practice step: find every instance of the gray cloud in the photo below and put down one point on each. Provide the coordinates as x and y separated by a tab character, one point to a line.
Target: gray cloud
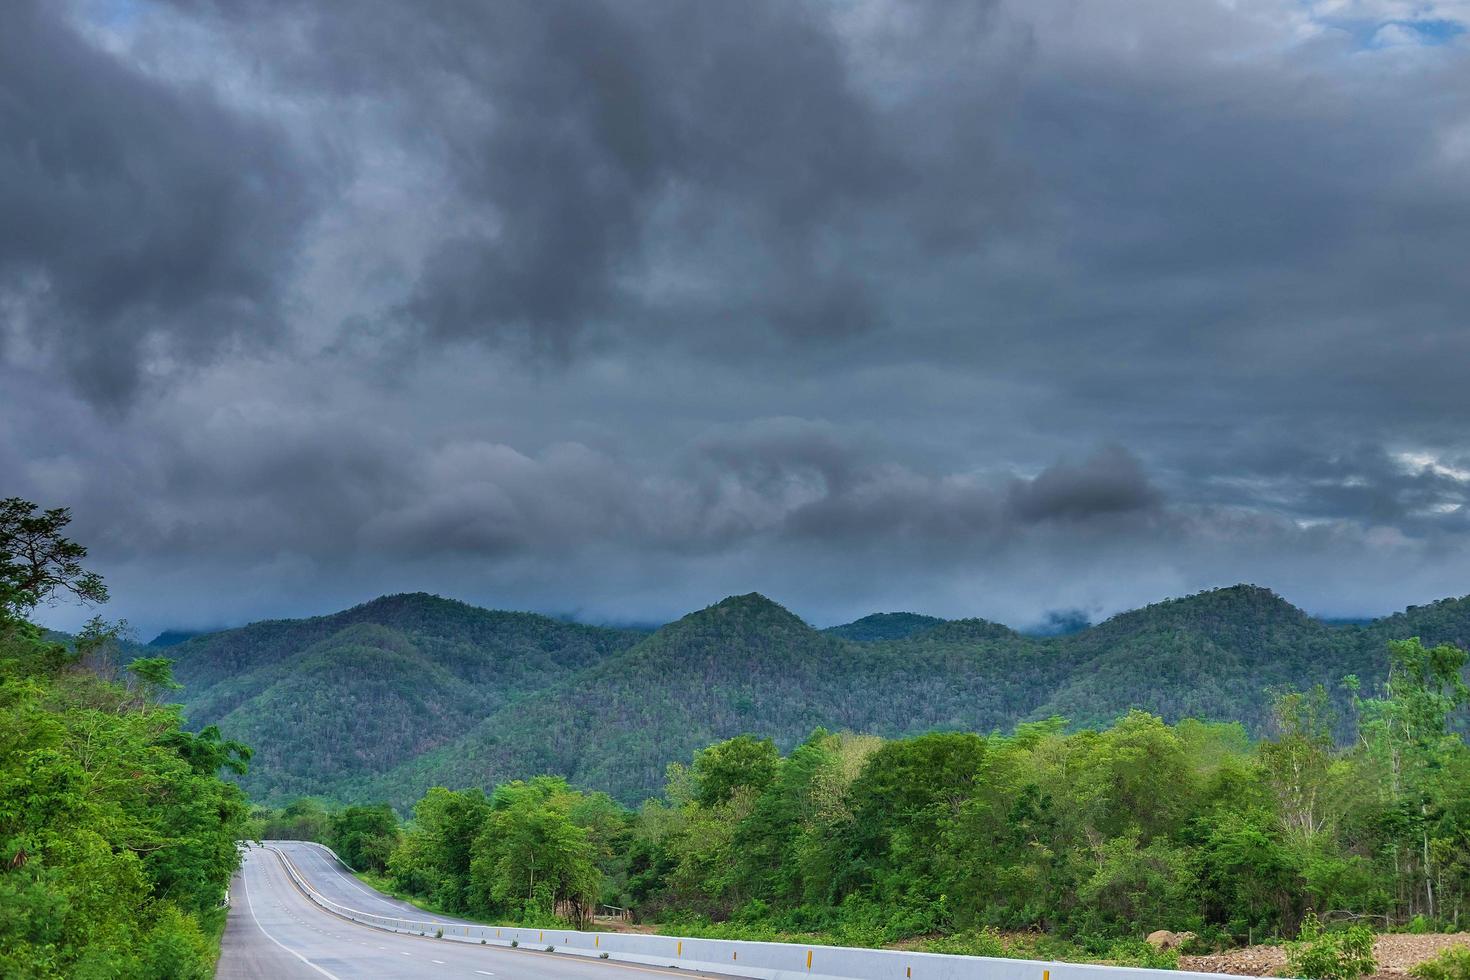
1110	482
983	309
143	221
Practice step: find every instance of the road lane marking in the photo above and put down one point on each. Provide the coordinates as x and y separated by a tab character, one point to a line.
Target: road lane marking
251	904
635	968
321	854
440	962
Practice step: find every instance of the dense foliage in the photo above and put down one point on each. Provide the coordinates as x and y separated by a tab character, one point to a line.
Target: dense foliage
117	838
747	665
333	699
387	699
530	851
1097	836
884	626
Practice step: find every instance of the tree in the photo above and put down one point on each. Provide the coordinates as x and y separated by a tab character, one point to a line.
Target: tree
531	860
37	562
1299	760
1407	732
364	836
445	826
726	766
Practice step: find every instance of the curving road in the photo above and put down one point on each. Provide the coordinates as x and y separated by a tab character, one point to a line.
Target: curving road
275	933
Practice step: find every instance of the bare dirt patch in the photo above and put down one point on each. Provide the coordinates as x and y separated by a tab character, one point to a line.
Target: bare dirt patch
611	924
1395	954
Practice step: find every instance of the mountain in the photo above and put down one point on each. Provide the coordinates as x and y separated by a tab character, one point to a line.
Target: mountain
172	638
327	699
883	626
388	698
744	664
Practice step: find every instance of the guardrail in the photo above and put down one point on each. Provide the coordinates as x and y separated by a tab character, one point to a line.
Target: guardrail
765	961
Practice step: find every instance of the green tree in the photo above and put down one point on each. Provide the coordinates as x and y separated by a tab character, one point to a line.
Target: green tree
1299	760
1407	734
445	826
37	561
531	860
364	836
117	836
723	768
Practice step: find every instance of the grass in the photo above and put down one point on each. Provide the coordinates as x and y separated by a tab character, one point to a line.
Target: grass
212	923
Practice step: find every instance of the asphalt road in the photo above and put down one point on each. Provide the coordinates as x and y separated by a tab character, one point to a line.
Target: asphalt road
275	933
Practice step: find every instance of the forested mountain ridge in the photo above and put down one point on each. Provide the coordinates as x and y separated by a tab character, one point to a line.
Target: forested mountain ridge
747	665
405	692
884	626
332	697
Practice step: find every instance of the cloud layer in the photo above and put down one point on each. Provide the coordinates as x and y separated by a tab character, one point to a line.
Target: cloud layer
997	309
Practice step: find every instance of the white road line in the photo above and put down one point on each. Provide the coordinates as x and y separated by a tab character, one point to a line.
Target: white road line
322	855
485	973
440	962
251	905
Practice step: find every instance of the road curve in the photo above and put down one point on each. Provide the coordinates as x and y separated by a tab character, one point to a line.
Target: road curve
275	933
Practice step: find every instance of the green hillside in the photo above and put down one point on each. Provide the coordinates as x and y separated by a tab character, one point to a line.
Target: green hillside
747	665
883	626
327	699
744	664
391	697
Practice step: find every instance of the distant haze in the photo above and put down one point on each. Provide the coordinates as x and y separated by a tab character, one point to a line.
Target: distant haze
1032	311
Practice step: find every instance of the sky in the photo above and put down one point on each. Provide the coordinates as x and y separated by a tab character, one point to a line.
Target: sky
999	308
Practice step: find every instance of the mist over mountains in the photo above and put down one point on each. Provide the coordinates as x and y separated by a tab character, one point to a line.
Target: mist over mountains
385	699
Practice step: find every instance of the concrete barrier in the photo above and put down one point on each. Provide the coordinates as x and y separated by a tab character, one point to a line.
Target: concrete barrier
766	961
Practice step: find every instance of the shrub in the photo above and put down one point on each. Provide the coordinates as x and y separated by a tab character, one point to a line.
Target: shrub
1138	953
1452	964
1321	955
981	942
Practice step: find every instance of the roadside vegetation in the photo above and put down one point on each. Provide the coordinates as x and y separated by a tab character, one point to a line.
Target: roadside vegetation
1040	842
117	836
117	832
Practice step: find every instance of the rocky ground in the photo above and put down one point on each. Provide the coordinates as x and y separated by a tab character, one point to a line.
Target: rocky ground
1395	954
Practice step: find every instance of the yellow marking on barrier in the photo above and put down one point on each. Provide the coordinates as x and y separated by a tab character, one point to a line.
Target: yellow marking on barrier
597	940
808	959
908	971
497	933
680	951
1045	975
541	937
734	955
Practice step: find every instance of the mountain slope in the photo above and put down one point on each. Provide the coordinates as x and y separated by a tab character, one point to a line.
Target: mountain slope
1222	654
388	698
326	699
883	626
742	665
747	665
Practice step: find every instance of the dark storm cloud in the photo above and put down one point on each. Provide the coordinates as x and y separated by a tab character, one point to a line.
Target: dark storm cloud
134	212
570	135
991	308
1111	482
